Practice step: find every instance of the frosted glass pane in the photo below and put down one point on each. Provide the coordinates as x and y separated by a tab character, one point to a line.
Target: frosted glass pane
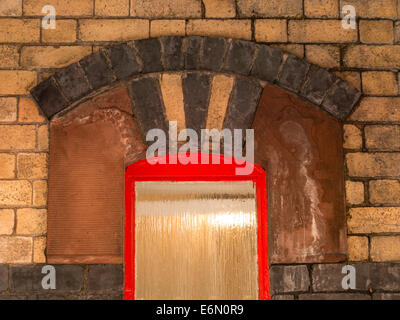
196	240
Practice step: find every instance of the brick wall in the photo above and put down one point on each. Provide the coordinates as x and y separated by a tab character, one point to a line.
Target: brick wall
368	57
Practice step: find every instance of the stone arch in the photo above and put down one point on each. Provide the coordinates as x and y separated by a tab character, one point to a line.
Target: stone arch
238	57
123	91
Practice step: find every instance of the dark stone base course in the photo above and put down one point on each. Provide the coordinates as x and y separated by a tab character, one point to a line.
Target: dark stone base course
73	282
374	281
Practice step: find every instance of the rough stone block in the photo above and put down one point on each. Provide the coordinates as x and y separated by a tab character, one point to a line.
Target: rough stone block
285	279
104	277
123	60
293	73
149	51
49	97
72	82
267	63
213	53
97	70
317	85
240	57
341	99
172	53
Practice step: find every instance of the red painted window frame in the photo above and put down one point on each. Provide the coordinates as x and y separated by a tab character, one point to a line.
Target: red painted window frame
144	171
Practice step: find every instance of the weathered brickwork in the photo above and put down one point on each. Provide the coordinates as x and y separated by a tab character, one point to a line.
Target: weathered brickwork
368	58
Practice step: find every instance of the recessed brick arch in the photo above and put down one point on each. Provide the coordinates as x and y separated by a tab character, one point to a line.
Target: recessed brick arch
110	99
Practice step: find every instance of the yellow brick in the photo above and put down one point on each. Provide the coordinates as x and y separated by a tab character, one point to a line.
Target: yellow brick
52	57
397	31
31	222
363	56
15	193
379	83
221	89
8	109
270	8
357	248
326	56
320	31
40	193
39	248
321	8
113	29
351	77
220	8
16	81
29	111
374	220
384	191
13	137
7	166
376	31
65	31
239	29
271	30
16	249
19	30
171	89
166	8
354	192
382	137
9	56
373	164
6	221
43	137
32	165
10	7
385	249
63	7
159	28
377	109
352	137
295	49
372	8
112	8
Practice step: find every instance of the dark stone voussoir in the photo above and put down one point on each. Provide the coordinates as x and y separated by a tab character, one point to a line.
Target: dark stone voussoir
242	104
240	57
147	104
213	53
267	63
29	278
149	51
72	82
192	52
97	70
293	73
196	90
287	279
123	61
49	97
105	277
3	277
172	53
341	99
317	85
